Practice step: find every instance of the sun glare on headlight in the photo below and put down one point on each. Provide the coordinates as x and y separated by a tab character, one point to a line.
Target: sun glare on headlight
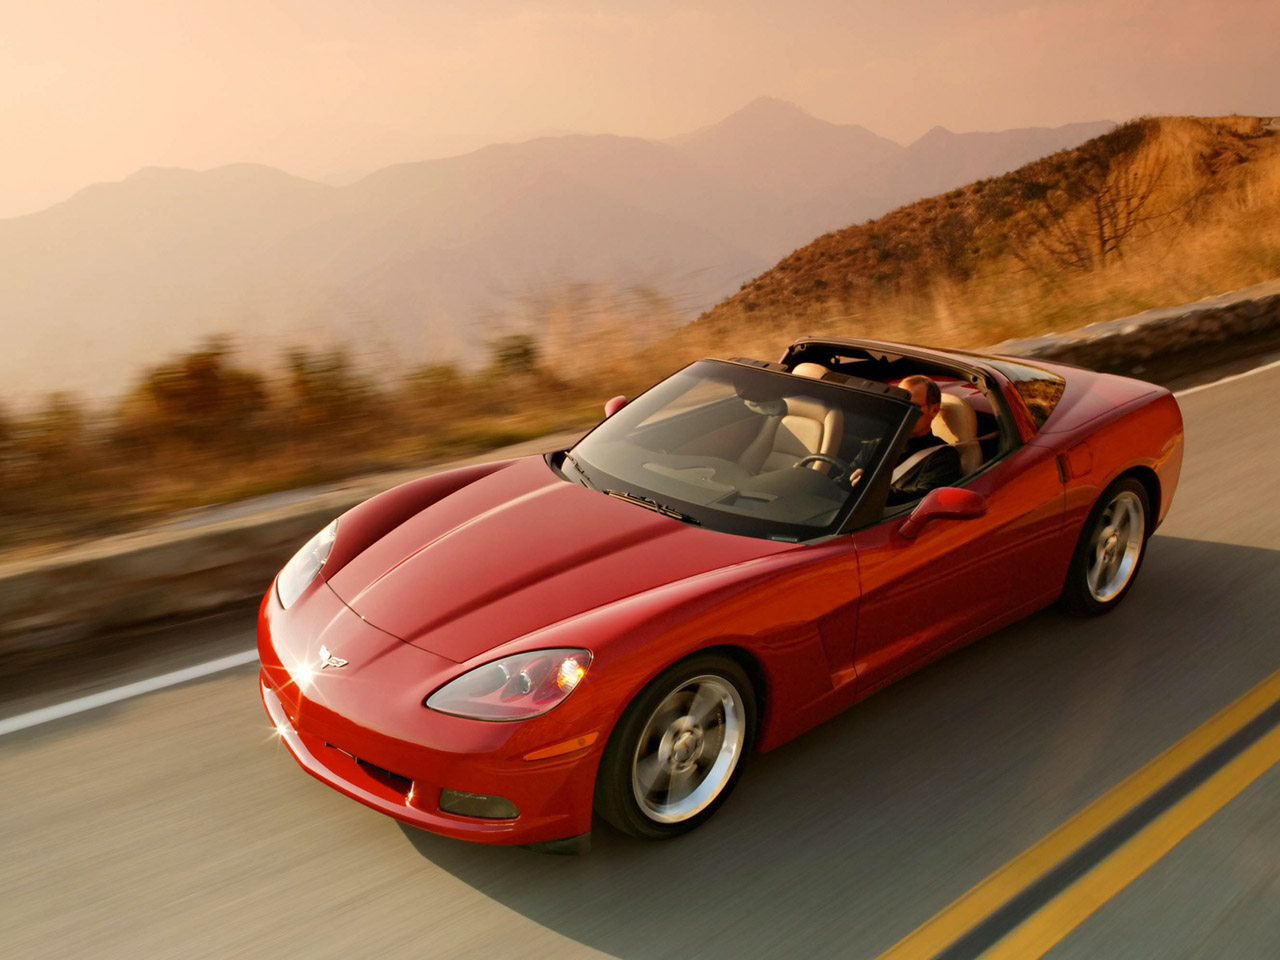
570	672
513	688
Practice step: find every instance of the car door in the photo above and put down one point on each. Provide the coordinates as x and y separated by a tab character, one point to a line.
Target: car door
958	578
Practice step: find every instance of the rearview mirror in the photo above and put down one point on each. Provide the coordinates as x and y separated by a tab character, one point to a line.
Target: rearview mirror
945	503
614	405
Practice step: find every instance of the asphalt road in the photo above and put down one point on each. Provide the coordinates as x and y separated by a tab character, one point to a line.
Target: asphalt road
174	824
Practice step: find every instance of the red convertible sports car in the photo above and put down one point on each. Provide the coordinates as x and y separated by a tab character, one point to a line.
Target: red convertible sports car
500	652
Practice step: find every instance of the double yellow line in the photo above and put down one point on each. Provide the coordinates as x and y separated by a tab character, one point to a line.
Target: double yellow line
1027	906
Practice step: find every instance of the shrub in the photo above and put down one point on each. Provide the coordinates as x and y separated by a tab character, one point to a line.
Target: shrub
324	388
1035	190
516	353
200	398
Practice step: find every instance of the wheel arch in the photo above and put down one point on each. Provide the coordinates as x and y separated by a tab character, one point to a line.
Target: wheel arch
1151	483
754	671
739	654
1079	600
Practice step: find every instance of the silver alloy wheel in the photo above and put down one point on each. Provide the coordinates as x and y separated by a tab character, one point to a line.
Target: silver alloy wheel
1115	546
688	749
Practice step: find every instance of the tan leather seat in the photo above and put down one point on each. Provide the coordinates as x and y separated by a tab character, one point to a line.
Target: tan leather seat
957	424
814	371
808	426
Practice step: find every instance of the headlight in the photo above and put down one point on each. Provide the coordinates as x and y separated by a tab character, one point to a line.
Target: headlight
304	566
513	688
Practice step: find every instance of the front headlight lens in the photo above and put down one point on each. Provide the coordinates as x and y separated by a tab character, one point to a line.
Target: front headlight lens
304	566
513	688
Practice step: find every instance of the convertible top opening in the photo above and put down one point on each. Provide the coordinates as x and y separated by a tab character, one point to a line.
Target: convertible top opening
749	449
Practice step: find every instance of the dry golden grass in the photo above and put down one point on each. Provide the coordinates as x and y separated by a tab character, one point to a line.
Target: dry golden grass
591	335
1210	224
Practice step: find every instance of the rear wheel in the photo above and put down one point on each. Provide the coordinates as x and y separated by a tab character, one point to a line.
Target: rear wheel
1109	551
678	749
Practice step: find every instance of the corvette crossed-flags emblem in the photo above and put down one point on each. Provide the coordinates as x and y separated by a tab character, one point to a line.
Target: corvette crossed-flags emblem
328	660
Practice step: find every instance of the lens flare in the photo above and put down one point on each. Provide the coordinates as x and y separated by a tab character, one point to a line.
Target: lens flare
571	671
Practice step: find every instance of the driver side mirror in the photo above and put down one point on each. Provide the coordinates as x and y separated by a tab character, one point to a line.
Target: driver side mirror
944	503
614	405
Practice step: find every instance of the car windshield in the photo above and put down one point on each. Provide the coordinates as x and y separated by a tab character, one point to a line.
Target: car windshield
742	449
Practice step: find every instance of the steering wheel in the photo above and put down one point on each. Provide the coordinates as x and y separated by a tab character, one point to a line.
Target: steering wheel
842	469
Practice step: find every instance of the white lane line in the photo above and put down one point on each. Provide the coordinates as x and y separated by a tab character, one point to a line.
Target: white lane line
1234	376
60	710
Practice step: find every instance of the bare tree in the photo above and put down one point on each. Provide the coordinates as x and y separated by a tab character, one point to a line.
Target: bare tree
1092	203
1089	220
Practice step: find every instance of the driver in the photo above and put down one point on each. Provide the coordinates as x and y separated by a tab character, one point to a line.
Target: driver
927	461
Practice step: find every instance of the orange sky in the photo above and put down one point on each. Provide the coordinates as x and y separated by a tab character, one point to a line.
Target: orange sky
93	91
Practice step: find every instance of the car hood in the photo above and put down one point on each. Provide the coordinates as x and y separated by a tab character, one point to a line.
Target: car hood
518	550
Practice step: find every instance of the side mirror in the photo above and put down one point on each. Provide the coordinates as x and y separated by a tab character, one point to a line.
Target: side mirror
945	503
614	405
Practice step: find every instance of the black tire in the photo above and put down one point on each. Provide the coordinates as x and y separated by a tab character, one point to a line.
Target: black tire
679	749
1109	552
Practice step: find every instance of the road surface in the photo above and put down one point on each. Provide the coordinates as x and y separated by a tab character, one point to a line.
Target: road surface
173	824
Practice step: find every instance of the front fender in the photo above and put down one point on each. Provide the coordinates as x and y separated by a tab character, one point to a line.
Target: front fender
767	608
368	522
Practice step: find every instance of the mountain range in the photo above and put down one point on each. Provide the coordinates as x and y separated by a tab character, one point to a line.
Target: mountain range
407	263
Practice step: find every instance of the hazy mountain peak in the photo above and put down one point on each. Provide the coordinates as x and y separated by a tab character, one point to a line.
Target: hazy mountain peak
148	178
769	116
1069	132
772	108
780	152
934	137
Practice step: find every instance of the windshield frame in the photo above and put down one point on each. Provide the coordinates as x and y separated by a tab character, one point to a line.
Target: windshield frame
879	402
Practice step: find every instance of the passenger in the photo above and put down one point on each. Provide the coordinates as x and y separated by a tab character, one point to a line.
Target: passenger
928	461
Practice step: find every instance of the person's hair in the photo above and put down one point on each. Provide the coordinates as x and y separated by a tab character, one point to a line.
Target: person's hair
932	393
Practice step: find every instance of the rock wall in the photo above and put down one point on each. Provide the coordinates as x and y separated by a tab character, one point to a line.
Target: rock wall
1121	346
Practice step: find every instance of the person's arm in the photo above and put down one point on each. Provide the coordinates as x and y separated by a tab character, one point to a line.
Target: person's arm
940	469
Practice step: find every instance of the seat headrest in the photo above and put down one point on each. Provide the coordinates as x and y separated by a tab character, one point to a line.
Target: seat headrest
957	424
956	421
811	408
814	371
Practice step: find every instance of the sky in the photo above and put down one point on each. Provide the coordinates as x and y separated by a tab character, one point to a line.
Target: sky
332	89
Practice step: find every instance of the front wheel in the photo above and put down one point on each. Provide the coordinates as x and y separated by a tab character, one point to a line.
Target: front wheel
678	749
1109	551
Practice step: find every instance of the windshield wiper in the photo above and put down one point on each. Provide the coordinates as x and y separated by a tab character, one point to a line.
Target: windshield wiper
655	506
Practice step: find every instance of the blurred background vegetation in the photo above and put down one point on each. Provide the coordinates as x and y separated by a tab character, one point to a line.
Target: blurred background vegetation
1158	212
213	425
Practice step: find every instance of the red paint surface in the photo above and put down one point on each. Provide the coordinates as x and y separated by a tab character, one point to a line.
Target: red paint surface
520	550
459	569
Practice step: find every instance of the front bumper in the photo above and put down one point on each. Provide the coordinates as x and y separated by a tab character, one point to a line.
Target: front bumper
362	729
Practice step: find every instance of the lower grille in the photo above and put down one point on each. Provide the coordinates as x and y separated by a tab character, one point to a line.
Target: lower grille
400	784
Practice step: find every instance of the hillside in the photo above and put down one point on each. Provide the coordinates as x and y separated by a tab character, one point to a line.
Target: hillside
425	262
1158	211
